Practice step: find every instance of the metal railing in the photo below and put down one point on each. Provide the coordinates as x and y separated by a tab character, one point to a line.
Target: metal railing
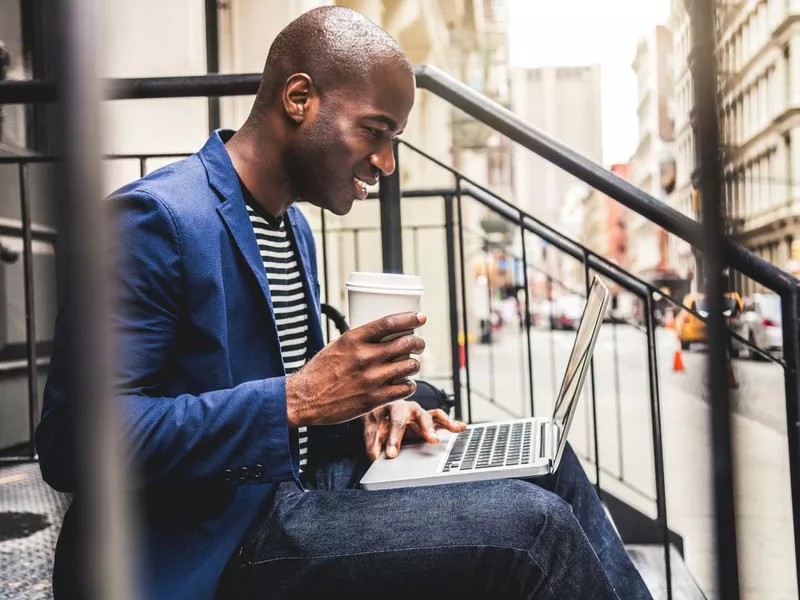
508	124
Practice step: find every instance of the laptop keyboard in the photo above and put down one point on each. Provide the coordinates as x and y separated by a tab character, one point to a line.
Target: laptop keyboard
487	446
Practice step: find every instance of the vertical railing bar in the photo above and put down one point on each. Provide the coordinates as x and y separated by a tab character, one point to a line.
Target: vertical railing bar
554	374
618	395
30	308
702	62
790	309
106	552
391	214
142	166
658	452
464	315
527	294
325	270
594	394
492	390
523	379
452	292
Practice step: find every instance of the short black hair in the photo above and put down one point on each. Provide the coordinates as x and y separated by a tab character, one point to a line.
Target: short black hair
333	45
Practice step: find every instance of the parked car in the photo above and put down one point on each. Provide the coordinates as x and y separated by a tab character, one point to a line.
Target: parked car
567	311
760	324
691	329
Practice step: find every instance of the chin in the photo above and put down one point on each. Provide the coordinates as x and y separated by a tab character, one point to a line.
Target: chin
339	207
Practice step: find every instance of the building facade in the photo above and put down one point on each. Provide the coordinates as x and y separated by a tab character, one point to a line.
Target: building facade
652	166
564	102
605	223
759	77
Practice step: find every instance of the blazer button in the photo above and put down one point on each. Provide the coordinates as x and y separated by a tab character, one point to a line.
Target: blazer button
244	473
258	471
227	475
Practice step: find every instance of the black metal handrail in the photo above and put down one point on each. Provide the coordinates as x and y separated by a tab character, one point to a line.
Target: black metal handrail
504	121
471	102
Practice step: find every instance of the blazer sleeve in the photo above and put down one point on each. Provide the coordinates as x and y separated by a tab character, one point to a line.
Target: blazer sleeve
188	437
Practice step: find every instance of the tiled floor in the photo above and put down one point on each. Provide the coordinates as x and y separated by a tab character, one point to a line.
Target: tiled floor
27	504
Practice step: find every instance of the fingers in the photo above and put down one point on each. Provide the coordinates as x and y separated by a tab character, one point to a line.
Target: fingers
390	325
402	346
399	416
395	372
443	421
376	439
426	427
393	391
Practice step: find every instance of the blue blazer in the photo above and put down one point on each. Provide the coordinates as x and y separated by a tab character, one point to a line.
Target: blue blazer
201	383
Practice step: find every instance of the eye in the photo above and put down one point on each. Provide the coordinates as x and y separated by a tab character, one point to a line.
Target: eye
375	133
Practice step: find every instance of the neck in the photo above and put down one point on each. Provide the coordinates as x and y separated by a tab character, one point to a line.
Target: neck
259	164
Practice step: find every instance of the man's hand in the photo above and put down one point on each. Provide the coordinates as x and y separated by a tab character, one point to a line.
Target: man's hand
357	373
387	425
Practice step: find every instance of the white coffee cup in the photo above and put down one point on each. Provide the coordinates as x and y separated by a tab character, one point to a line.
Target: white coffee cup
372	296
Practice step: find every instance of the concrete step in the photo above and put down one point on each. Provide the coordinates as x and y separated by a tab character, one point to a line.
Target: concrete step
650	562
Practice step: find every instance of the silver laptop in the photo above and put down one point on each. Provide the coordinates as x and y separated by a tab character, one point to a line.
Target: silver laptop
518	448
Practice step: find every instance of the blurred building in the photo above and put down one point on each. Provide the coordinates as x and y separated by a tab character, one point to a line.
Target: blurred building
652	167
759	81
570	223
564	102
605	223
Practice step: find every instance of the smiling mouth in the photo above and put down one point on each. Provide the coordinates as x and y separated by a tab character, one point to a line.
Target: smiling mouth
361	187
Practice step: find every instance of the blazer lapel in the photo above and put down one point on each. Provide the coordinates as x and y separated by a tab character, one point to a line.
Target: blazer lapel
222	177
234	213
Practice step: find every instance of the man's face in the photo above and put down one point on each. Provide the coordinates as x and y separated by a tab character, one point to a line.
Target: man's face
346	141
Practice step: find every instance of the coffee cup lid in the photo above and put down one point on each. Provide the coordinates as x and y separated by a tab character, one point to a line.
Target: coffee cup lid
385	281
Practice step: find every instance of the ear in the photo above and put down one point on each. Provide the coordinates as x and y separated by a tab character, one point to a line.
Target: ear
298	96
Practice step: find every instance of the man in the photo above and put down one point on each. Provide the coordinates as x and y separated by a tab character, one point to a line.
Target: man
250	436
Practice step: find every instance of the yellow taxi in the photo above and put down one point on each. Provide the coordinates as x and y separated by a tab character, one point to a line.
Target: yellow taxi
690	329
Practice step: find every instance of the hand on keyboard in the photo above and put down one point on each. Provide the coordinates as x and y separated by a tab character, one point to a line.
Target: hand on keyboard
389	424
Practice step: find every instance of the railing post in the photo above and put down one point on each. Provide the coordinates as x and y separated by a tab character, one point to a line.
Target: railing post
391	221
702	64
452	294
464	311
212	58
106	557
527	295
30	309
790	308
658	451
594	393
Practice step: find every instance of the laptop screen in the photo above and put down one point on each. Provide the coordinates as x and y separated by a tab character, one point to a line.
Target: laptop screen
579	361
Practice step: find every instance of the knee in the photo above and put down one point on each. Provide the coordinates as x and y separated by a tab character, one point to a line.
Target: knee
528	508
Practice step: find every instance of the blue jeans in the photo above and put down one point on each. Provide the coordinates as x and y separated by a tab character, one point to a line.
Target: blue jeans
548	538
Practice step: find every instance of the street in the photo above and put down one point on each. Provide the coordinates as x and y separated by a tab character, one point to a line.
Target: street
625	442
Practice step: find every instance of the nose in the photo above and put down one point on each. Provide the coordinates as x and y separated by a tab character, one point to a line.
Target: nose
383	159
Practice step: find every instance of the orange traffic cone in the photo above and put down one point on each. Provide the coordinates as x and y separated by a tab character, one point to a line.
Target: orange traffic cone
670	322
677	361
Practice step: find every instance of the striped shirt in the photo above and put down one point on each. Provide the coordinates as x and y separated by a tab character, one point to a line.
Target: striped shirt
288	299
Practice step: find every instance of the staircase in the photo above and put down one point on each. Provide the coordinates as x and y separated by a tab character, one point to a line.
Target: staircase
655	548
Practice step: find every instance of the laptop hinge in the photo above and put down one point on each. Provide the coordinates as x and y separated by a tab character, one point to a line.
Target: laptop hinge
552	434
